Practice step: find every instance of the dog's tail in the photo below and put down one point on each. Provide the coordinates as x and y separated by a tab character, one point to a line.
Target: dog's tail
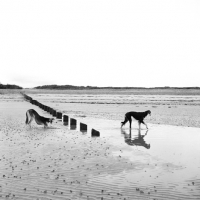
124	122
26	118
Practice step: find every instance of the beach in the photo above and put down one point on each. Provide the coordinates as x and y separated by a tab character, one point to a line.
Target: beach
59	163
168	106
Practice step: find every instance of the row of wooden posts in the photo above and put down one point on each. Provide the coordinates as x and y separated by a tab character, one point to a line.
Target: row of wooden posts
59	115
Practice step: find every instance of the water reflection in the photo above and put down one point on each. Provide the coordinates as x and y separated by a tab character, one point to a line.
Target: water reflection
72	127
135	140
65	123
73	124
84	132
83	127
65	120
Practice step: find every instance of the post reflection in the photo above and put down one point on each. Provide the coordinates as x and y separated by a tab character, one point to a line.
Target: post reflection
135	140
72	127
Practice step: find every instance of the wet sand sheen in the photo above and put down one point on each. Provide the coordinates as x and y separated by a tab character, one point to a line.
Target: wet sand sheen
62	164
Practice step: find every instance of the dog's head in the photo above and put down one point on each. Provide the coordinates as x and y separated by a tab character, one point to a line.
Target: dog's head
148	112
51	120
147	146
122	124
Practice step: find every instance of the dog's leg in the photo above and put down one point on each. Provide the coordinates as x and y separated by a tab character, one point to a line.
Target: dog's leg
139	123
27	118
139	126
130	121
30	121
145	124
124	122
26	122
45	125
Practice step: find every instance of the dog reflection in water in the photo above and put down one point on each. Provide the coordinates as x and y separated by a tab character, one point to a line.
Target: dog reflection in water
137	140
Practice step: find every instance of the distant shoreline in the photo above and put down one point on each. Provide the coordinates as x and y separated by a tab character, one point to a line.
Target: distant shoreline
145	91
9	86
89	90
72	87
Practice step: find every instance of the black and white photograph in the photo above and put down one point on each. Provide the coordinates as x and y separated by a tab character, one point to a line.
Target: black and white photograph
100	99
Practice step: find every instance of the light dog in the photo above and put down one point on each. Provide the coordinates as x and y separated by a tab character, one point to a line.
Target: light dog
40	120
139	116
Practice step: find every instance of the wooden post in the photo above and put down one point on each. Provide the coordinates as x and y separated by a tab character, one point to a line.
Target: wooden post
59	115
65	120
51	111
54	113
83	127
36	103
72	124
48	109
33	102
95	133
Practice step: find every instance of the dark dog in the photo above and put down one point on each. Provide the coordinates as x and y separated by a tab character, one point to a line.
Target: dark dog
139	116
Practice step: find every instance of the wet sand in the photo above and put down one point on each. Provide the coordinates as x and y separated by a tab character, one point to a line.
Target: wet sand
59	163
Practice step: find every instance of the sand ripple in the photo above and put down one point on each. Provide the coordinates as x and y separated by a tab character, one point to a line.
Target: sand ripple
40	163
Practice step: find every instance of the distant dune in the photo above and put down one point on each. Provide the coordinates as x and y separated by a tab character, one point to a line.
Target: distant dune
8	86
72	87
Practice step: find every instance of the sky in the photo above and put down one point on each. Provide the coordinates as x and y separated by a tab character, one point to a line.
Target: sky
122	43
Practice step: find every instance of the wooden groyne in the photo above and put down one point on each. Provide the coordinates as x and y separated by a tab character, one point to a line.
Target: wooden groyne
62	116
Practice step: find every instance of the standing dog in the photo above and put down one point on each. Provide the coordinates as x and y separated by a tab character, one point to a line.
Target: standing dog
139	116
32	114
